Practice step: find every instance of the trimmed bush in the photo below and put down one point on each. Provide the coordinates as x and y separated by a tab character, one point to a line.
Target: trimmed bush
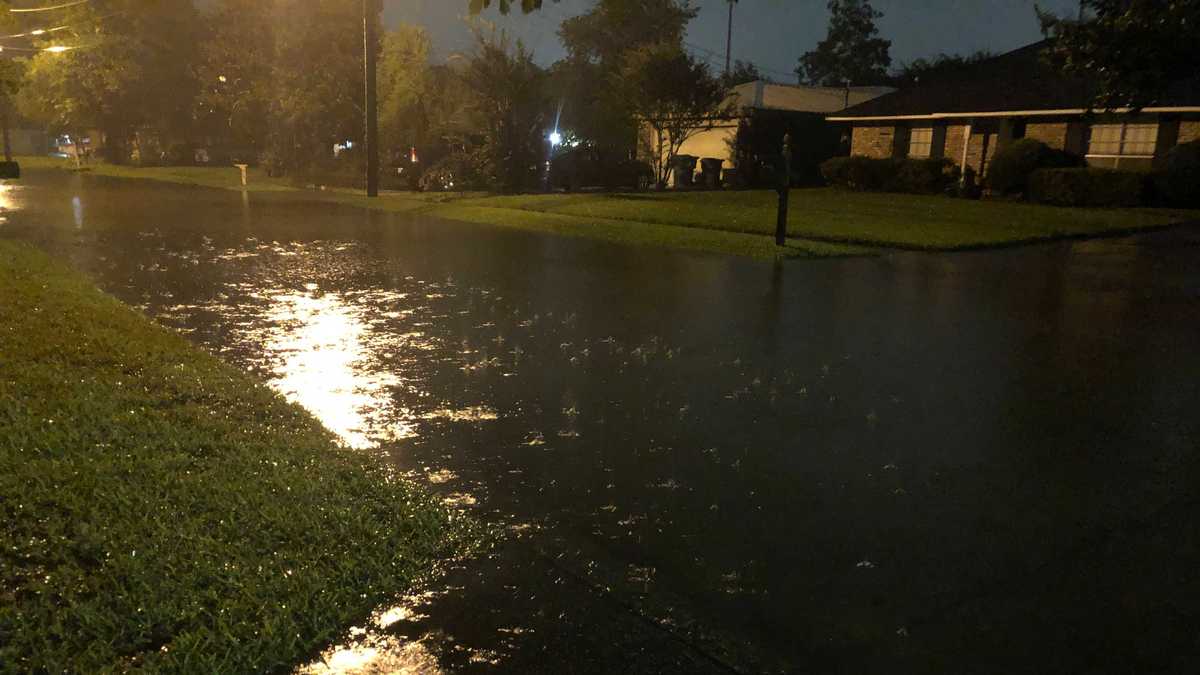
919	176
1009	170
1179	183
1087	187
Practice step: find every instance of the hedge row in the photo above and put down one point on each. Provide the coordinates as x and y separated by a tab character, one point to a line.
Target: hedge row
921	176
1088	187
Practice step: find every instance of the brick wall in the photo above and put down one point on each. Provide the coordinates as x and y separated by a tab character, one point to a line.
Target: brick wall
1189	130
873	141
1053	134
953	150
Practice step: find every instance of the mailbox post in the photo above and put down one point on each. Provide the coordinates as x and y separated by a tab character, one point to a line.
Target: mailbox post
785	186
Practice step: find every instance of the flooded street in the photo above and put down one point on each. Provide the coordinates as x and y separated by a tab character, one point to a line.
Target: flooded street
960	462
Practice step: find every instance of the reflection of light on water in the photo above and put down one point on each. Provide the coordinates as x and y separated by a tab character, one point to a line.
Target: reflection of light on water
6	202
378	655
370	651
77	210
324	368
471	414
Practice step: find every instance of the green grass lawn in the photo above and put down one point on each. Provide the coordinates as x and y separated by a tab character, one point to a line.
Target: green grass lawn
873	219
160	509
229	178
823	221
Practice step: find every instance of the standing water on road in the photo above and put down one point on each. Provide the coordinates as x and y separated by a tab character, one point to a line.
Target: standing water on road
712	463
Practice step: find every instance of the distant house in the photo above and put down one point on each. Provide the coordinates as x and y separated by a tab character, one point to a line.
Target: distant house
969	116
781	100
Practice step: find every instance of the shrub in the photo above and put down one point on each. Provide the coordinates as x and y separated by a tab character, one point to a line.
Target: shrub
1009	170
1087	187
1179	183
458	171
922	176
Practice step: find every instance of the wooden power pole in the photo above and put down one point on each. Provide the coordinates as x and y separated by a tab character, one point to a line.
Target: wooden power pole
729	38
371	9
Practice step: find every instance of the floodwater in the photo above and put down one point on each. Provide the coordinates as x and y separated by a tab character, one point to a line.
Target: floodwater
975	462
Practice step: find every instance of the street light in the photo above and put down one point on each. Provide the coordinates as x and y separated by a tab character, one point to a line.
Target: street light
556	139
56	49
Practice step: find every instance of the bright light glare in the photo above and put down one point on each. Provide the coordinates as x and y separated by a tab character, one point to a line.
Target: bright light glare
56	49
556	138
39	31
222	78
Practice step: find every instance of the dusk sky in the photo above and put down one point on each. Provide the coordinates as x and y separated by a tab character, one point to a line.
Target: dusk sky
770	33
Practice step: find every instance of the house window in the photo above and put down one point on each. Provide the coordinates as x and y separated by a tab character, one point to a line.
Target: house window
1123	140
920	142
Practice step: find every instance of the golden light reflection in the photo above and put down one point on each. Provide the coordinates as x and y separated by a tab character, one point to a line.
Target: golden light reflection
322	355
7	202
370	651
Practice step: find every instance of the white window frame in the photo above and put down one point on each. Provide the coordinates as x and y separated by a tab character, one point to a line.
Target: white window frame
924	132
1123	140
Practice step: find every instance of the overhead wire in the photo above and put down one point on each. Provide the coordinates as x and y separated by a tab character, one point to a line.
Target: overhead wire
30	10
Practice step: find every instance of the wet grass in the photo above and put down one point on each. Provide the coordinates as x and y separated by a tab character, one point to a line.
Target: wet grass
822	222
228	178
159	509
871	219
643	233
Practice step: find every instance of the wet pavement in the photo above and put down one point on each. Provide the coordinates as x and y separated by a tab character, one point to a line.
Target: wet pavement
978	462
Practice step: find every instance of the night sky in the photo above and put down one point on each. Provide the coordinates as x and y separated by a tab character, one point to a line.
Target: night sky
771	33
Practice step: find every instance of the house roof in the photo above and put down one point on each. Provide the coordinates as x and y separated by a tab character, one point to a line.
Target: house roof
1019	81
764	95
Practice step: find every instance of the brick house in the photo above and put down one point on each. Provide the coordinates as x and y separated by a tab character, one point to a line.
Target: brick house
790	100
969	116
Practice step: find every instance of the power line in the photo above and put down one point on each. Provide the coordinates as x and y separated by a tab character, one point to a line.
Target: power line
14	10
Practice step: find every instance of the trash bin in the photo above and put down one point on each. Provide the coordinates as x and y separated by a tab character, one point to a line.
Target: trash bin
710	173
683	170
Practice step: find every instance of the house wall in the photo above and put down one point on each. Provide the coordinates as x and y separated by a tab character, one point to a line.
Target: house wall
955	136
876	141
1189	130
1053	134
713	143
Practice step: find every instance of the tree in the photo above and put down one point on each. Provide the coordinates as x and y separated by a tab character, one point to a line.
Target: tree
851	51
743	72
317	80
132	78
510	107
1133	49
674	97
596	44
404	78
527	6
940	67
236	72
613	27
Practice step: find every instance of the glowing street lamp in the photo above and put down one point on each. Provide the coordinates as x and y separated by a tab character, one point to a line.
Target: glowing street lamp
555	139
56	49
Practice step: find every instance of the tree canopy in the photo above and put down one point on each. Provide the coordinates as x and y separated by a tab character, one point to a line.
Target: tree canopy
674	97
505	6
938	68
1134	49
852	51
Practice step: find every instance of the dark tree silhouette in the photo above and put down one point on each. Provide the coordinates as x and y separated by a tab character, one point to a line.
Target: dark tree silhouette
851	51
505	6
1134	49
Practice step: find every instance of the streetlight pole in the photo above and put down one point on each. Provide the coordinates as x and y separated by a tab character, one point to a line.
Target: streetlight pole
371	9
729	37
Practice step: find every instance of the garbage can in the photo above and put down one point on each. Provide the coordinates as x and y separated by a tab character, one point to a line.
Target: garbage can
710	173
683	170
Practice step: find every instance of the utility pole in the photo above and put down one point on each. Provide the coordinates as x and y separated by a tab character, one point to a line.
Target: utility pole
371	9
729	38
